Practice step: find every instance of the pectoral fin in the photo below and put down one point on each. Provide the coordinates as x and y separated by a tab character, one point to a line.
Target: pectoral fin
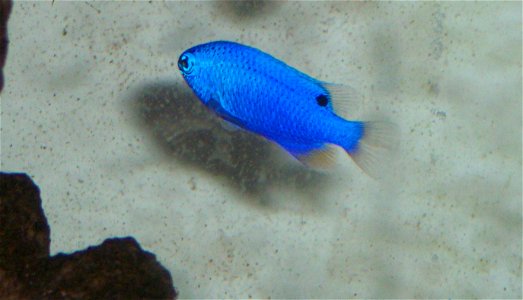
216	106
229	126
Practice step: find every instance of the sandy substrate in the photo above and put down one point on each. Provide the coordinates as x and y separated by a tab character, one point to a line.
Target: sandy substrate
95	110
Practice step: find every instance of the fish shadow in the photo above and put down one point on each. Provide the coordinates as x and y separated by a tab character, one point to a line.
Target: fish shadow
246	10
187	131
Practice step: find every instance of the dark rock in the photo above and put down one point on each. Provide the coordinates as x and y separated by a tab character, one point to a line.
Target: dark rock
116	269
24	233
5	10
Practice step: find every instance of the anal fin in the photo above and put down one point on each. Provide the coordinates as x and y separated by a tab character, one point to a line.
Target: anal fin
317	156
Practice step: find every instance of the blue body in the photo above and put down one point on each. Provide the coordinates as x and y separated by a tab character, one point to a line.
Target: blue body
264	95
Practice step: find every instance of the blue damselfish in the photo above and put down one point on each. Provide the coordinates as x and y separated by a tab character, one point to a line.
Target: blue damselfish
260	93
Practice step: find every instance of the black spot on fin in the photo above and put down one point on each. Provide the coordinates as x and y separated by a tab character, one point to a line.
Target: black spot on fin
322	100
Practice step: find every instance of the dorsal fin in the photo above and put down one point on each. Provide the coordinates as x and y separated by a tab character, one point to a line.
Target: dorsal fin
345	99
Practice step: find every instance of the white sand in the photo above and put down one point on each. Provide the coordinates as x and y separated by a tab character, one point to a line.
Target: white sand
445	224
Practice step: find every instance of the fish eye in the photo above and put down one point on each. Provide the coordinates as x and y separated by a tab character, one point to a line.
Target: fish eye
186	63
322	100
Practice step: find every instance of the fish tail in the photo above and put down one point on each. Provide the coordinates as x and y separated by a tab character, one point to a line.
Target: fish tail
373	145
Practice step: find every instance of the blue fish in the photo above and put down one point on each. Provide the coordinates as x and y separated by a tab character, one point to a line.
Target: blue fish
262	94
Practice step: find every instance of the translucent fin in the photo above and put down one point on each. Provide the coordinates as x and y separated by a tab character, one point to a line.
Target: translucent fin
376	148
229	126
323	158
345	99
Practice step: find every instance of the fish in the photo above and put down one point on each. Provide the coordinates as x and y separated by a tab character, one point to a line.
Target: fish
261	94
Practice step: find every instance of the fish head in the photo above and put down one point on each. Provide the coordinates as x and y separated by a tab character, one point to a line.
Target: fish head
196	67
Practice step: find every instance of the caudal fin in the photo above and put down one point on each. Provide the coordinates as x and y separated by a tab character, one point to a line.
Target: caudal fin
376	148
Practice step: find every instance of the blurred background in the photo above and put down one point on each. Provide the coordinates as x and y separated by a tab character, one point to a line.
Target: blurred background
95	110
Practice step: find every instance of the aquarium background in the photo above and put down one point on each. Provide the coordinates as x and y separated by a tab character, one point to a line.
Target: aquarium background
95	110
